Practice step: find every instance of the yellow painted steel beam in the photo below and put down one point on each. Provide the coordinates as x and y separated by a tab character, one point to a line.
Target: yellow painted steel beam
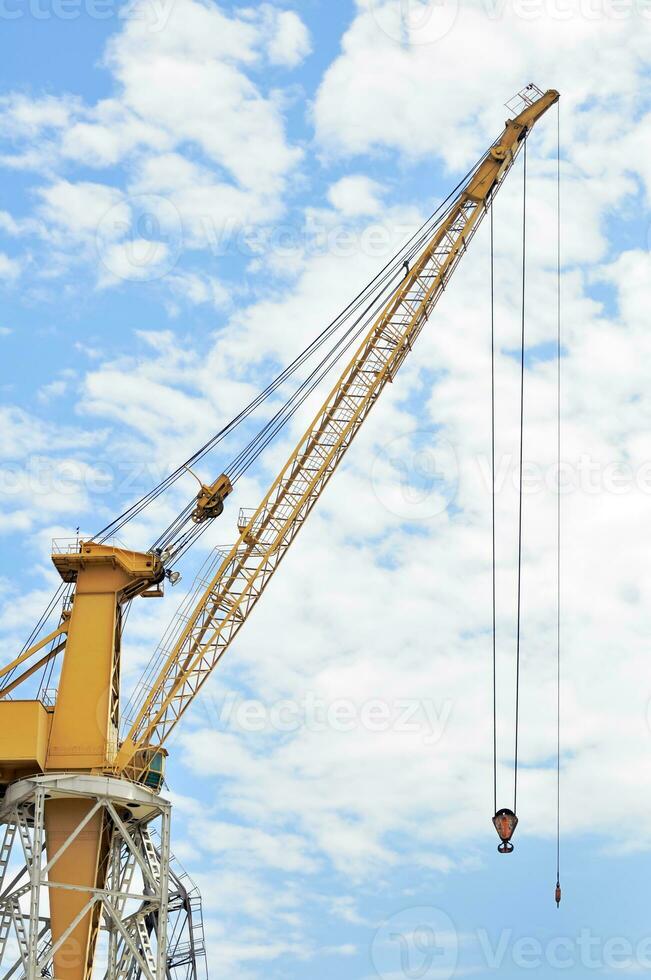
63	628
50	655
85	724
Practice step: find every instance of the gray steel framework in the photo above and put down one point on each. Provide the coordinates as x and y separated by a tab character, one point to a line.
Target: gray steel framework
135	900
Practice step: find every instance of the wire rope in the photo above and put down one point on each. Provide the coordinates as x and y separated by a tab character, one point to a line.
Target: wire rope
492	294
558	500
521	468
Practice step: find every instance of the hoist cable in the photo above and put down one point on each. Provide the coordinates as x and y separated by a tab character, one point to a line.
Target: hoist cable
251	452
255	447
261	440
176	537
558	495
194	532
177	540
248	456
412	246
519	612
492	290
31	639
407	252
48	669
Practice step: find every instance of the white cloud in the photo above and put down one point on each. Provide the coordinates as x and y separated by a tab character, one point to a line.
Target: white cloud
346	949
629	273
356	195
289	42
201	93
10	268
22	433
55	389
199	290
134	260
16	227
78	207
253	847
382	93
93	353
107	134
186	118
22	116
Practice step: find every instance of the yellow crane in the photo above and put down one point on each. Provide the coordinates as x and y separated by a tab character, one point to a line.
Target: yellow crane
79	797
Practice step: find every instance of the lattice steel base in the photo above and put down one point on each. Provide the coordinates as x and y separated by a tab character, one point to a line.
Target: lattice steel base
141	898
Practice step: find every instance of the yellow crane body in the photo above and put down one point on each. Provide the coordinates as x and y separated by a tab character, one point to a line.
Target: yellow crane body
80	732
24	736
86	715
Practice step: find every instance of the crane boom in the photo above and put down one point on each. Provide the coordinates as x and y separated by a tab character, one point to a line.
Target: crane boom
246	570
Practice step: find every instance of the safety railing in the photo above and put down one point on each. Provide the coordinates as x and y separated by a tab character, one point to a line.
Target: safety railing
526	97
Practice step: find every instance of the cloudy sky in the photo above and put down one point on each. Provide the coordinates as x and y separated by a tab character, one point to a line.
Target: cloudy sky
190	192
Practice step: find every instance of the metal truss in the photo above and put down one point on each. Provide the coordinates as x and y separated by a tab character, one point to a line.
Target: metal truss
140	895
186	946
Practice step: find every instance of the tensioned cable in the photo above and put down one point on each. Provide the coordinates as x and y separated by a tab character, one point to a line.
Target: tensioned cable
492	289
287	373
48	670
258	443
558	500
31	639
517	656
173	535
174	530
411	247
409	250
181	545
251	452
183	538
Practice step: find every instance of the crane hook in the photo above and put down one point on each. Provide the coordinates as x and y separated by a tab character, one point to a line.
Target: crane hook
505	822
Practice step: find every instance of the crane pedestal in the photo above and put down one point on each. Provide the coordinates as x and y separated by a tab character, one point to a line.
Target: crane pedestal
126	827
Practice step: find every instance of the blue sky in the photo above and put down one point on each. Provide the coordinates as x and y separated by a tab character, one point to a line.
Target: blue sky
190	192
